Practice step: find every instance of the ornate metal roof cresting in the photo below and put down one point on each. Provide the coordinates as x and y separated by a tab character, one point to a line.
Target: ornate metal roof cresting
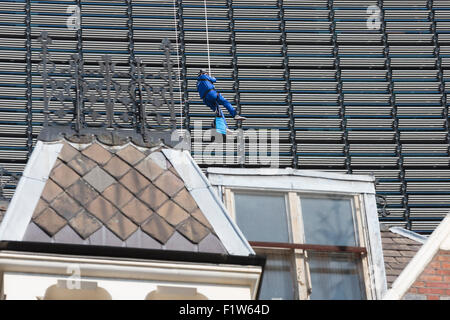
113	106
5	178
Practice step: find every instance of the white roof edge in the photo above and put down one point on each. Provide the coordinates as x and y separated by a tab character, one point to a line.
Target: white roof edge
209	203
438	239
290	172
409	234
29	190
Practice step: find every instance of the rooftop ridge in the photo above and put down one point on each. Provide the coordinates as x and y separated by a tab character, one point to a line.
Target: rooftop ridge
108	142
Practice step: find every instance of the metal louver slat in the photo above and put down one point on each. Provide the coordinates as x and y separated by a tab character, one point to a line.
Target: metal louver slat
309	68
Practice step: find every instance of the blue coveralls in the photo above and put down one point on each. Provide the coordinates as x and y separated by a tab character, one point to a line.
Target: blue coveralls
207	91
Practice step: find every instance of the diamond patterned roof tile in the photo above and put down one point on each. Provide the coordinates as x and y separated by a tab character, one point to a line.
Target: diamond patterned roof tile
67	153
185	200
97	153
158	228
153	197
41	206
137	211
64	176
99	179
134	181
121	226
129	194
131	155
65	206
116	167
193	230
84	224
102	209
159	158
118	195
51	191
198	214
149	169
50	222
172	213
58	162
169	183
82	192
81	164
172	169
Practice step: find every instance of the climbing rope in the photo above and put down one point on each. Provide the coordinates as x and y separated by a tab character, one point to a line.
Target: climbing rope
207	37
175	21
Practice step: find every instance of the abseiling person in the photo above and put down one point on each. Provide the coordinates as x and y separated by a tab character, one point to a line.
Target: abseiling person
212	98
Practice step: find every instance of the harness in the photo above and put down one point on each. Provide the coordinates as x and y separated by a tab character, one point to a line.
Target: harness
206	93
209	90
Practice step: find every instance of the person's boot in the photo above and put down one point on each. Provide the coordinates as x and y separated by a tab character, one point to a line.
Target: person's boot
238	117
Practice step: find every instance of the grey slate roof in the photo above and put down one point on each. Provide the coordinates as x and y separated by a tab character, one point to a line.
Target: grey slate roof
127	196
398	250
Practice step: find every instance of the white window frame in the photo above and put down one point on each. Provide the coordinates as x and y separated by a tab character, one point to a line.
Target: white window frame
294	183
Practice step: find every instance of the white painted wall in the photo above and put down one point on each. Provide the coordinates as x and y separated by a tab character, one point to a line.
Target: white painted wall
20	286
28	276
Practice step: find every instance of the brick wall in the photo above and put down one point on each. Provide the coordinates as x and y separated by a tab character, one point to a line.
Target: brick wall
434	282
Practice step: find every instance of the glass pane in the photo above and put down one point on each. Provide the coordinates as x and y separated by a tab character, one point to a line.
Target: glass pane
335	276
262	217
328	221
277	282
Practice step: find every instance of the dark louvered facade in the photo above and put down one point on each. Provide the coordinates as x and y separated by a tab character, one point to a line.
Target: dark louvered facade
344	97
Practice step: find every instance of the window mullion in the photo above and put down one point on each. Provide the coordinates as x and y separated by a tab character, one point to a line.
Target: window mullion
358	222
360	214
229	202
297	236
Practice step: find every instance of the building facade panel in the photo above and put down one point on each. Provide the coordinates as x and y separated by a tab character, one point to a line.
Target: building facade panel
351	86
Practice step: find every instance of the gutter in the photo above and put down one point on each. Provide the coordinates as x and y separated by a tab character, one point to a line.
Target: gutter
131	253
136	253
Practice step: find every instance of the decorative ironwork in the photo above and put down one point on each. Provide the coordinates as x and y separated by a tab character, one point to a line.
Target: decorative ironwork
381	202
381	205
28	81
103	100
5	178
